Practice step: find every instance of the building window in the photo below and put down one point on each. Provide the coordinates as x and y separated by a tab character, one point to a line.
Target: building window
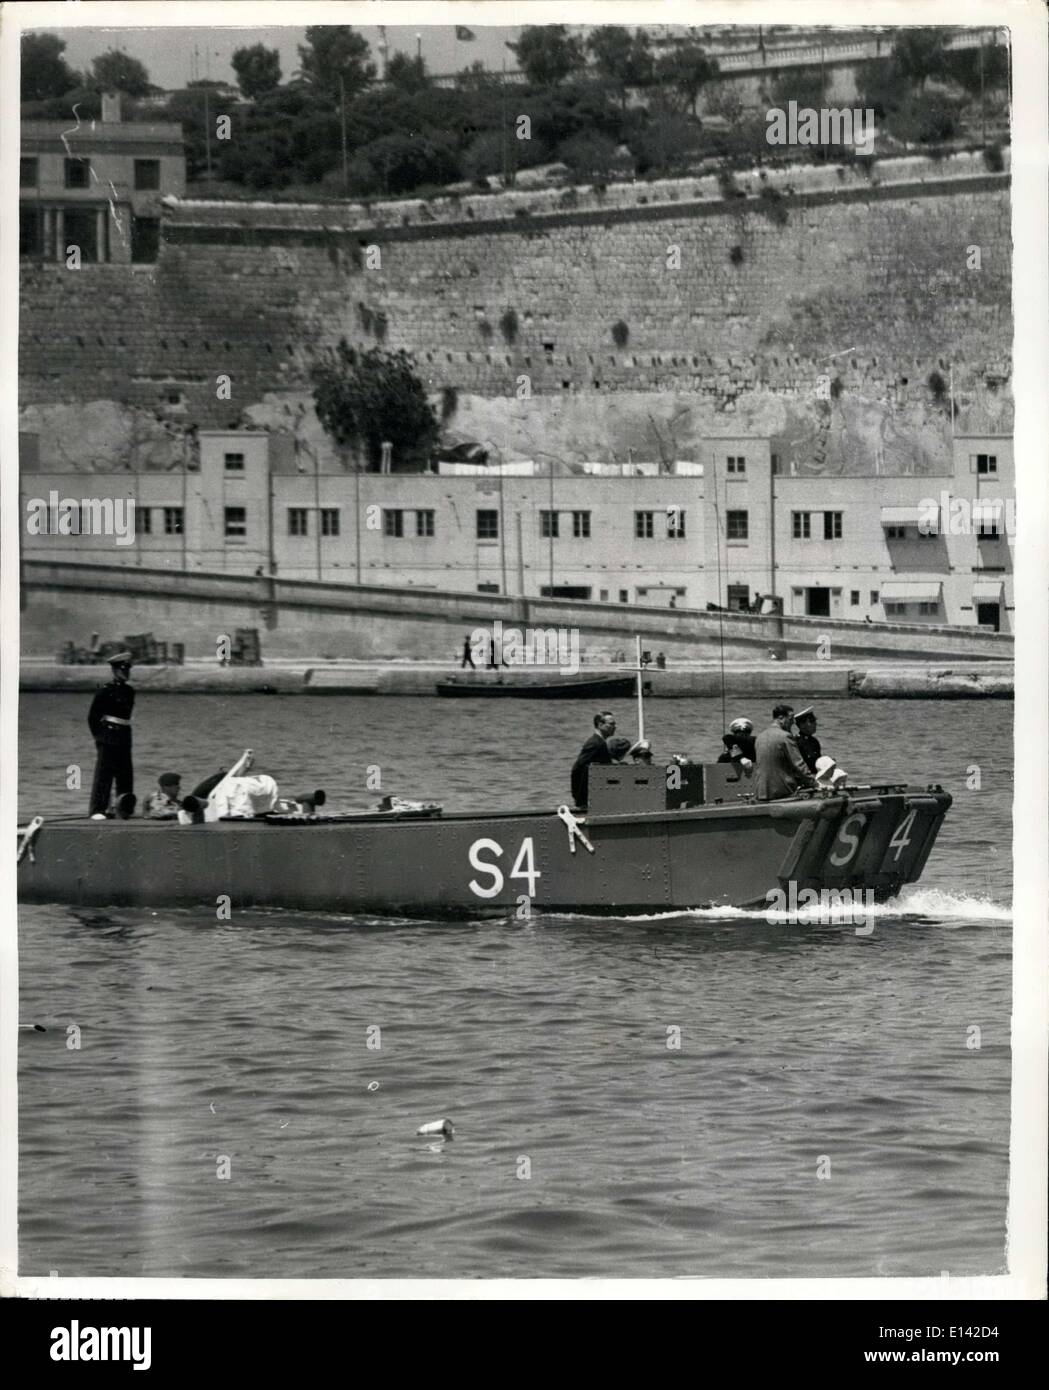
675	523
737	526
986	463
604	596
874	596
78	173
988	528
392	521
298	521
81	229
329	521
145	240
575	591
30	232
736	463
236	522
644	525
581	526
28	171
487	525
832	526
624	596
548	525
488	588
927	608
233	463
895	533
147	175
424	522
854	597
739	598
775	464
172	521
801	525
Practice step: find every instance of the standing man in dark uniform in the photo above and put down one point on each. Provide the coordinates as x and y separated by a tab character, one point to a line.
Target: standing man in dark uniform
808	743
109	720
594	750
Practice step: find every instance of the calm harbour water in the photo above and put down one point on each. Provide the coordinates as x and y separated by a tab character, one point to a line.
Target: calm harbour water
543	1041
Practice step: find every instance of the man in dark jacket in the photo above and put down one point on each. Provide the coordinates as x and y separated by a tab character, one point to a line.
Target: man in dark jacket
808	743
109	720
594	750
780	769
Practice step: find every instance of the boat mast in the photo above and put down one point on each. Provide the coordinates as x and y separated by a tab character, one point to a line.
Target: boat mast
640	693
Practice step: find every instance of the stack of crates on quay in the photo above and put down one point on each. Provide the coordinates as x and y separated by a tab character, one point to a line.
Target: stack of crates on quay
144	648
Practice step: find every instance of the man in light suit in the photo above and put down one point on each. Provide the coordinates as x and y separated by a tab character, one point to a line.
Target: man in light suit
781	769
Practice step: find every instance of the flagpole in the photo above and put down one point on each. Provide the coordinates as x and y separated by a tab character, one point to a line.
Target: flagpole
640	692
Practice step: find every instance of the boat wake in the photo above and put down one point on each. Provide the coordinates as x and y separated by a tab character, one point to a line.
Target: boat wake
929	904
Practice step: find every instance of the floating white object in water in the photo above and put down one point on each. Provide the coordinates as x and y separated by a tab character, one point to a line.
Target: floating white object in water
444	1127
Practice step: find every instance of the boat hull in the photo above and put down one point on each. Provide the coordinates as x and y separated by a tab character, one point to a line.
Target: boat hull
609	688
478	865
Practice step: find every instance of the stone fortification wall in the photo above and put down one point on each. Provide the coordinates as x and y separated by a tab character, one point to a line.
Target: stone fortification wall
861	276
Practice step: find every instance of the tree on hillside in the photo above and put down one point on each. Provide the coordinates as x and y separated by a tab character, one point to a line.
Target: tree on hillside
258	70
118	72
976	69
334	51
686	70
398	164
407	73
806	86
45	73
624	58
571	109
666	143
364	398
919	54
547	54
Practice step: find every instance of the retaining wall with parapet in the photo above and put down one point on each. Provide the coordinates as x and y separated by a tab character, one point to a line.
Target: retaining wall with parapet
865	276
311	621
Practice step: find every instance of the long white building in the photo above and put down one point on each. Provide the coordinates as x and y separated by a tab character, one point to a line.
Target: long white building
721	529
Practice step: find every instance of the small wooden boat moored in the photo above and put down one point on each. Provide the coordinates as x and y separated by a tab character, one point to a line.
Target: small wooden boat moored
568	688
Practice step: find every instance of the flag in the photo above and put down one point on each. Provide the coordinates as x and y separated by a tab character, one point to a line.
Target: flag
463	34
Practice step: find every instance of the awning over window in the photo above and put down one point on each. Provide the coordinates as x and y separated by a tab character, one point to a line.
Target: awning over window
928	518
911	591
987	590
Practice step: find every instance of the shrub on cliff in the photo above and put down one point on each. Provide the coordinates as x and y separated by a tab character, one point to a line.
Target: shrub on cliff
364	398
395	165
589	156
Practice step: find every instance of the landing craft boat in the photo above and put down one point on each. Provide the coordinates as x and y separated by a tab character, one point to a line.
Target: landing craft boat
650	842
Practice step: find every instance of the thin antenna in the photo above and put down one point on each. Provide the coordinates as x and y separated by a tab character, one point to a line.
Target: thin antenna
721	615
640	692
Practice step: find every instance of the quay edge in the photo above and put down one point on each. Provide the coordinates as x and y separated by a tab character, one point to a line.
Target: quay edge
814	680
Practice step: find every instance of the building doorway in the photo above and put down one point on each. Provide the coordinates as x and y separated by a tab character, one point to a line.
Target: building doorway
817	603
989	615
